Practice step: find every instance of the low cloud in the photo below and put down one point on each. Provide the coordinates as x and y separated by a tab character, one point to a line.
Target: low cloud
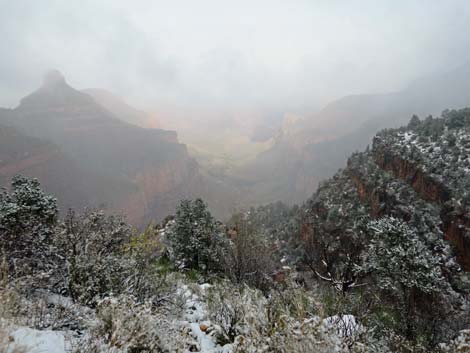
275	54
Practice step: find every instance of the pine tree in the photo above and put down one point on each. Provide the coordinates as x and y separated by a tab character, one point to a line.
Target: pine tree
27	220
414	122
195	240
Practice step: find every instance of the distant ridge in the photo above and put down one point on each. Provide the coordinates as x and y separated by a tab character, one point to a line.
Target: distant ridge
147	171
319	145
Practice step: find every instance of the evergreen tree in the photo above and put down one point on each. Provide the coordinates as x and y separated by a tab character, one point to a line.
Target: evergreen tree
402	265
399	260
195	241
414	122
27	220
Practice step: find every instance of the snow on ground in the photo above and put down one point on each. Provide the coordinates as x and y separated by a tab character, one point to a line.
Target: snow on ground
195	317
408	135
195	321
35	341
345	325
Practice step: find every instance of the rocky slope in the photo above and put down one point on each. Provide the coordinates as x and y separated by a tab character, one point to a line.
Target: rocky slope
419	173
146	170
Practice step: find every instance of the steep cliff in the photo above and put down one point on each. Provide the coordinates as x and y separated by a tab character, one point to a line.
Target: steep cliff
418	173
433	157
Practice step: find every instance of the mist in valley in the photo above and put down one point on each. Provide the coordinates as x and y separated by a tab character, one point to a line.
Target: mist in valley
268	97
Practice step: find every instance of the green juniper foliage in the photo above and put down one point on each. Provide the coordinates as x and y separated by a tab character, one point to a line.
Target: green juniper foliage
195	238
27	220
399	260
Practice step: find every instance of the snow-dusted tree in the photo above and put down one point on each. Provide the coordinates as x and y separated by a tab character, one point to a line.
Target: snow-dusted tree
333	236
195	239
27	221
93	246
399	259
402	265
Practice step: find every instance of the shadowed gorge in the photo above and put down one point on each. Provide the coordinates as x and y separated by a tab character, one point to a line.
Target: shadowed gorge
141	172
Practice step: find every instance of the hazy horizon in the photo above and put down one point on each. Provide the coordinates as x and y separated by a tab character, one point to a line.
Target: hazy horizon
271	55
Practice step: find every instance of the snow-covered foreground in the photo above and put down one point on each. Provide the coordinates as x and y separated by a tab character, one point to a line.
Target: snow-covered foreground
195	318
193	322
193	327
25	339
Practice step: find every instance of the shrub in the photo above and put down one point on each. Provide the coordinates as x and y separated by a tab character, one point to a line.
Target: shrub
93	246
126	325
249	256
150	266
282	322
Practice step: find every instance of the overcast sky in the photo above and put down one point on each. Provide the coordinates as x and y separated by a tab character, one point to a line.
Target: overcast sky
284	54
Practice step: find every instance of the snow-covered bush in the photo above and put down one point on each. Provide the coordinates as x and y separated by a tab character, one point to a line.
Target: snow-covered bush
128	326
332	234
285	321
92	245
104	256
40	309
224	308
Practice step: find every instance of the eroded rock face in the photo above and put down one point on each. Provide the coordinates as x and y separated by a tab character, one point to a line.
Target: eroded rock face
376	198
456	226
333	211
140	172
455	219
427	187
